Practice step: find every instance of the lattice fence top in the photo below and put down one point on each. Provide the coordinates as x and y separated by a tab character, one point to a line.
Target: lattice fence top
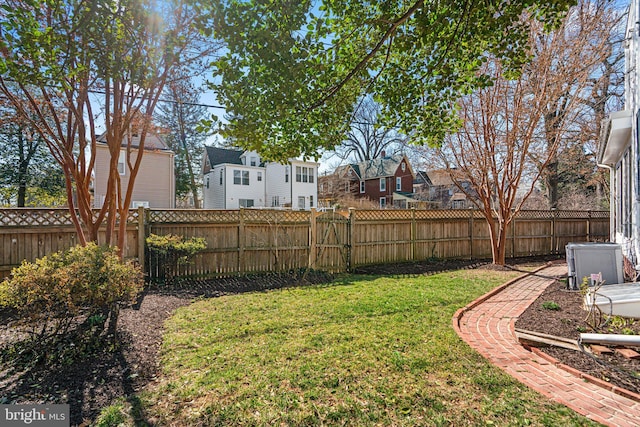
276	216
382	215
339	216
29	217
192	216
448	214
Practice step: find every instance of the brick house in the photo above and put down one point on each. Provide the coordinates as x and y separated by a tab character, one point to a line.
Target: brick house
387	180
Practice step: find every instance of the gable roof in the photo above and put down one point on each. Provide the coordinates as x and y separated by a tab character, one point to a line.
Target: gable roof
422	178
218	156
152	141
375	168
440	177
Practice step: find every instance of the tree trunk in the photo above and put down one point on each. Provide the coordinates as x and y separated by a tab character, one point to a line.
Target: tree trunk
498	234
551	182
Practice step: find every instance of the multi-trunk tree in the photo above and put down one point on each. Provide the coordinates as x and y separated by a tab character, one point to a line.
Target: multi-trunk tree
512	130
80	69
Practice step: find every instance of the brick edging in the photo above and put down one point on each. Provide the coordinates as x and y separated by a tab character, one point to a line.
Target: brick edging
589	378
457	317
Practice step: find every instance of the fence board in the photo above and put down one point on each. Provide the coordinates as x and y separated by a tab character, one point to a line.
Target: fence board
252	241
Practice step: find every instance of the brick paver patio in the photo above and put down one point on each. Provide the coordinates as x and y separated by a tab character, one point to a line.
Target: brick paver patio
487	325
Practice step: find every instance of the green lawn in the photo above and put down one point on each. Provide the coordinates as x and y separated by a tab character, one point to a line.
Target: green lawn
363	351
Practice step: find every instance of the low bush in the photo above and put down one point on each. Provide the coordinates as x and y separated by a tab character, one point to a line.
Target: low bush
170	251
52	292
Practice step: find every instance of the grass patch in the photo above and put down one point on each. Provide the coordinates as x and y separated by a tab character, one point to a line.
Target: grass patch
366	351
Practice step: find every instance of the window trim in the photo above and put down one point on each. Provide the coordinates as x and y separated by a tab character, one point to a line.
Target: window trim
383	184
122	160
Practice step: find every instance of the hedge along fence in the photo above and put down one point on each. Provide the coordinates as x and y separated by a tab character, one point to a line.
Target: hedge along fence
254	240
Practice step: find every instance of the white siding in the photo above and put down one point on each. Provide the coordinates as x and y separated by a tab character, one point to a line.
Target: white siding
277	185
307	190
254	191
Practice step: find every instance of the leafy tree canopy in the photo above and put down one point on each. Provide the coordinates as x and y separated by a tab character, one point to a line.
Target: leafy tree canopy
294	71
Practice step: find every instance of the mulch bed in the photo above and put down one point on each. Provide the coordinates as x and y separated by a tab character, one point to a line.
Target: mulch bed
568	322
104	375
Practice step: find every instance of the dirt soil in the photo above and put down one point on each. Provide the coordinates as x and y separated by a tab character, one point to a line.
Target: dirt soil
104	375
568	321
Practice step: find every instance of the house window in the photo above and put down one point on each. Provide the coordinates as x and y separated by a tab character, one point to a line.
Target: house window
286	174
398	183
361	186
221	174
139	203
310	201
403	166
254	161
383	184
245	178
457	204
207	182
246	203
275	201
383	202
121	162
301	202
259	176
303	174
347	187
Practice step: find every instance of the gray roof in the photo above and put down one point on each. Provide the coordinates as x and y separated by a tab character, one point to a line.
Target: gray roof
376	168
151	142
218	156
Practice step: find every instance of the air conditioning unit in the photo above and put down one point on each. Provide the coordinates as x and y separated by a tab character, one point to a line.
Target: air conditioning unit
585	259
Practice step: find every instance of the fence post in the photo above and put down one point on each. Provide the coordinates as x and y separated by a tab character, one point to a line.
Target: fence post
241	237
142	236
350	241
313	239
552	249
513	236
588	226
414	233
471	215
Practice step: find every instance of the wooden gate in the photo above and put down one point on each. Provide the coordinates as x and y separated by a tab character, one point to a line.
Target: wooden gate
332	249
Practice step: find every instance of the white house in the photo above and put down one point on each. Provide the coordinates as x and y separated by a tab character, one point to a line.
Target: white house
619	149
235	178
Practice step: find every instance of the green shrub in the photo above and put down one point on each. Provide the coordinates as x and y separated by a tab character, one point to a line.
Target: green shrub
551	305
170	251
52	291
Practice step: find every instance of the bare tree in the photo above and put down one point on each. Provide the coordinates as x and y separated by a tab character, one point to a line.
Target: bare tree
367	138
101	64
588	42
181	117
512	130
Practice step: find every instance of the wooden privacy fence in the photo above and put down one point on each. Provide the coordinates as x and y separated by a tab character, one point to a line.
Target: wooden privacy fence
251	241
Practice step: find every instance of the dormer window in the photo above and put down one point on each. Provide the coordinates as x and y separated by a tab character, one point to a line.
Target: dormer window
403	166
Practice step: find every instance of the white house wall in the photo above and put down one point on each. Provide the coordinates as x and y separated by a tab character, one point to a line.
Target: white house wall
307	190
278	185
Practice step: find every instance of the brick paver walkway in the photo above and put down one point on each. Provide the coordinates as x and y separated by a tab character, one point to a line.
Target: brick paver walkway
487	325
